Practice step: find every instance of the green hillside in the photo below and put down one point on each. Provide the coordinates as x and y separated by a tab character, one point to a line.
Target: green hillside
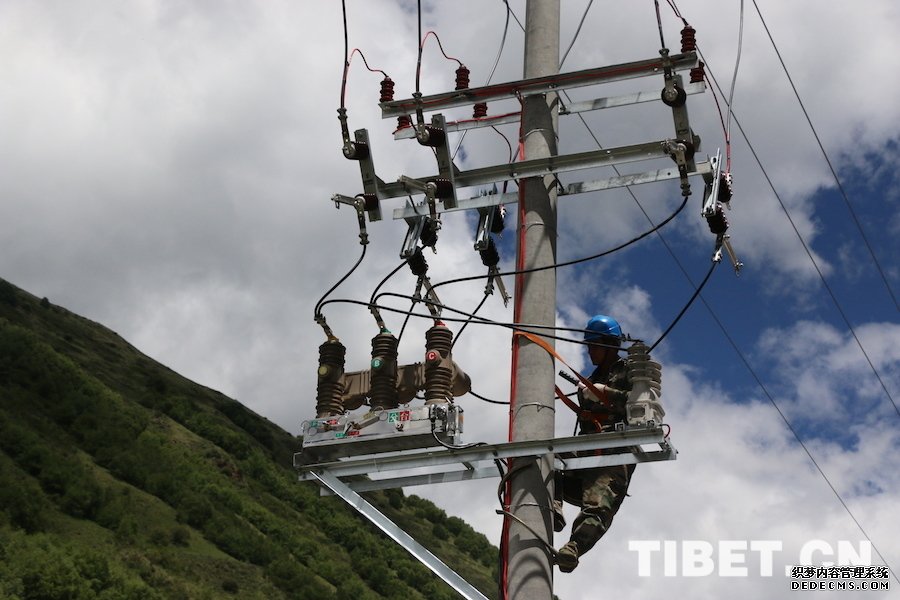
121	479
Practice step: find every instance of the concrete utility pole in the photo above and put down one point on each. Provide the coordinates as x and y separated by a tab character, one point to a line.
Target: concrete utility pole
530	569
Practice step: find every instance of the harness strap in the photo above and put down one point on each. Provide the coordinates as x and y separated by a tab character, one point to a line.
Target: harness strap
600	393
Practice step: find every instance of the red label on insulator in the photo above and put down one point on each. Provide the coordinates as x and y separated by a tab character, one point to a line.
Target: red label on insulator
431	356
404	415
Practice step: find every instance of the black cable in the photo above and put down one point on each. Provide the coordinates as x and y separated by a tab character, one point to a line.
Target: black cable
577	260
686	306
453	446
419	44
406	320
488	400
318	310
466	324
526	327
383	281
662	40
346	54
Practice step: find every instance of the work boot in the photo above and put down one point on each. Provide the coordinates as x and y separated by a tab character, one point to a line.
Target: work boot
567	557
559	520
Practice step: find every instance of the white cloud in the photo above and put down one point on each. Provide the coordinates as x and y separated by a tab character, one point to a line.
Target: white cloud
167	172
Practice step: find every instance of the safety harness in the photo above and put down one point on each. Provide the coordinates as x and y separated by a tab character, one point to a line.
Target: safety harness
600	393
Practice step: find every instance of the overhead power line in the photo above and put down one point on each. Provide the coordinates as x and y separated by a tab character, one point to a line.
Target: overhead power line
577	31
812	259
834	174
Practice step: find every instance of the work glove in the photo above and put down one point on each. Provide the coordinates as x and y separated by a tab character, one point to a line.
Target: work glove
600	393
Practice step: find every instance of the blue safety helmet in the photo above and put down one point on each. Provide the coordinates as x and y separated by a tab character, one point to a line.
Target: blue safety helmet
601	326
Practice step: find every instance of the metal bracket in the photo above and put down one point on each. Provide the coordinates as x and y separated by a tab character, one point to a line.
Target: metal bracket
446	168
434	303
712	185
483	230
393	531
724	241
495	278
416	224
359	205
371	183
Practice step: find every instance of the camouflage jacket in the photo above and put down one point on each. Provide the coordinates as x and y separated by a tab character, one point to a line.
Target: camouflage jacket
606	416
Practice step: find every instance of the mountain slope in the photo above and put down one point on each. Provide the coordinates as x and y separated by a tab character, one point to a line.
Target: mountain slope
121	479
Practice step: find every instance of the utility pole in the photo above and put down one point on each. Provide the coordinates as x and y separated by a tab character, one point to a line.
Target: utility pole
529	565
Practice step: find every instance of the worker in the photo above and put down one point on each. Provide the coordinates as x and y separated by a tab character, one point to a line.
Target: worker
599	491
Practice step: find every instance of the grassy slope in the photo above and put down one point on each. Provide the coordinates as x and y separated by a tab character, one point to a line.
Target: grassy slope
121	479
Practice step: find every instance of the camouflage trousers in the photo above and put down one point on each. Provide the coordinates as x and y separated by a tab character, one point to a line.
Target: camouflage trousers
599	493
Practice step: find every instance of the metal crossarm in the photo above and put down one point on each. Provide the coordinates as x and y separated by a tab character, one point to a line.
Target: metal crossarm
537	167
572	108
536	85
703	168
444	465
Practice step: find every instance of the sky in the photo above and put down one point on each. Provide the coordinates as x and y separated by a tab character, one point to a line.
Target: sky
168	168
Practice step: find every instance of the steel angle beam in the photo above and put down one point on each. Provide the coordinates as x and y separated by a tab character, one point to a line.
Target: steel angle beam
408	133
396	533
636	456
538	167
536	85
629	180
624	100
450	472
448	476
385	463
582	187
572	108
476	202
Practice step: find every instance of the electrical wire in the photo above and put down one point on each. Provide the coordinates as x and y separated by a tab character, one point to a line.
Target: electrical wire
812	259
419	44
577	31
477	320
318	310
365	62
662	39
346	55
488	400
441	46
491	75
686	306
576	261
406	320
827	159
466	324
794	432
383	281
737	64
